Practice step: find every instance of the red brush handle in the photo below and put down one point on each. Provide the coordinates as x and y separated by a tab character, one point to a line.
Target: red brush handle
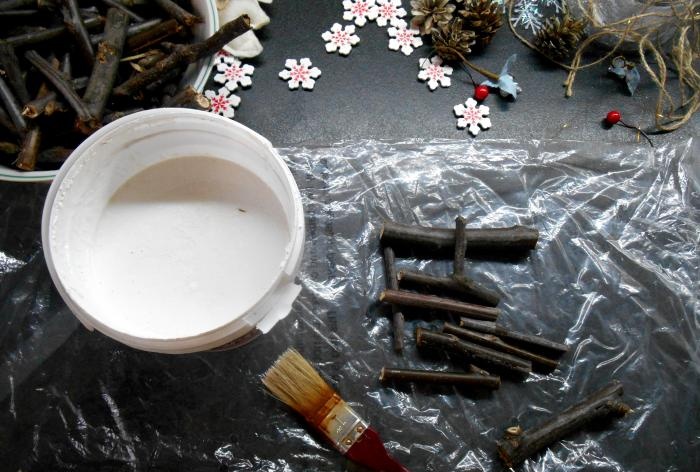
369	451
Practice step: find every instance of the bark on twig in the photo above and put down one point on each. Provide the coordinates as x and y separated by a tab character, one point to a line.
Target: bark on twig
76	27
518	445
12	107
431	302
26	160
460	246
180	14
464	289
12	72
520	338
392	282
153	35
131	30
48	34
188	98
438	377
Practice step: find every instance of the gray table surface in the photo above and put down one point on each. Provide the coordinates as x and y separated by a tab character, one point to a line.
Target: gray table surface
374	93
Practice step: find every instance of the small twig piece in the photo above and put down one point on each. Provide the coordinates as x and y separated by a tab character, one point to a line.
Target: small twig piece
26	160
153	35
498	344
180	14
464	289
48	34
431	302
518	445
477	354
76	27
131	31
438	377
6	122
188	97
512	336
460	246
54	155
109	52
12	106
185	55
63	87
392	283
119	114
116	4
439	242
12	72
472	369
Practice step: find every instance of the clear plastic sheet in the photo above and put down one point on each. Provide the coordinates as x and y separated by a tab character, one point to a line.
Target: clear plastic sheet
615	275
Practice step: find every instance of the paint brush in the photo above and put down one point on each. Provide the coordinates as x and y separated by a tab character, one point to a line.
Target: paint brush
295	382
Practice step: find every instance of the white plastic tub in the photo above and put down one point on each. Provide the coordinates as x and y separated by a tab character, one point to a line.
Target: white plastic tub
174	231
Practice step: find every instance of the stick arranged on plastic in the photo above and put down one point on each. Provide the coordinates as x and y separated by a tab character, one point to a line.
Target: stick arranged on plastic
431	302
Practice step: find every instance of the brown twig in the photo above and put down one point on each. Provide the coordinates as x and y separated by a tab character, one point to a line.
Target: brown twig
17	14
431	302
185	55
128	12
26	160
496	343
131	30
464	289
460	246
477	354
518	445
188	97
109	52
180	14
12	106
12	72
520	338
76	27
153	35
6	122
438	377
54	155
119	114
392	282
48	34
439	242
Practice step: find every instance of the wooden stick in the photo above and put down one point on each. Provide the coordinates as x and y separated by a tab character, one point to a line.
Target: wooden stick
392	283
131	31
26	160
188	97
64	88
528	339
6	5
12	72
12	106
478	354
185	55
464	289
180	14
54	155
605	403
6	122
460	246
438	377
431	302
109	53
153	35
48	34
76	27
439	242
472	369
125	10
119	114
17	14
496	343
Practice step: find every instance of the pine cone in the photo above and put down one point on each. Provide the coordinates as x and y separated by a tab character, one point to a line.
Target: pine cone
430	13
559	37
450	40
483	17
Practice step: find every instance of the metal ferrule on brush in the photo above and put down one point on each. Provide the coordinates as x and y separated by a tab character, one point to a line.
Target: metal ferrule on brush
340	423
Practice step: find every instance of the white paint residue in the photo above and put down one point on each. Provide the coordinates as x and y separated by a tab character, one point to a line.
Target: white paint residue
185	247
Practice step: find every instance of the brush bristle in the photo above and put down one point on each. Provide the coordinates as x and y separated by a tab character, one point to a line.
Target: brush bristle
295	382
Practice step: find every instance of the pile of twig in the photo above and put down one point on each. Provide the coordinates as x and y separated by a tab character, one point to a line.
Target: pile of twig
68	68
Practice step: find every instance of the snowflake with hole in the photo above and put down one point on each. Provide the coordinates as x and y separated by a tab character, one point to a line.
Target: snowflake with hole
222	102
472	115
527	14
232	73
222	56
360	11
404	38
340	39
434	73
389	11
300	73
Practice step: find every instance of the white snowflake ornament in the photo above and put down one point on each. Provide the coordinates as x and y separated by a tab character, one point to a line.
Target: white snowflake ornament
360	11
222	102
472	115
222	56
404	38
389	11
232	72
340	39
434	72
300	73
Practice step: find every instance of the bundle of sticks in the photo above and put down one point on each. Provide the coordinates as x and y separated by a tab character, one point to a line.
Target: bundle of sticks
69	67
478	342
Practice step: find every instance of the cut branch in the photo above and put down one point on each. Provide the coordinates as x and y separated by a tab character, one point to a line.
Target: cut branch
185	55
476	354
180	14
517	445
123	9
188	98
431	302
460	246
520	338
392	282
26	160
438	377
440	242
12	72
153	35
76	27
464	289
41	36
131	31
12	106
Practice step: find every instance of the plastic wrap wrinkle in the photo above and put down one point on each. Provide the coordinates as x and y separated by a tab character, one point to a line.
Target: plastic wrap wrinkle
615	276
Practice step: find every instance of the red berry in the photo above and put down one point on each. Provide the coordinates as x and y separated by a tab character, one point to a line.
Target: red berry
613	117
481	92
